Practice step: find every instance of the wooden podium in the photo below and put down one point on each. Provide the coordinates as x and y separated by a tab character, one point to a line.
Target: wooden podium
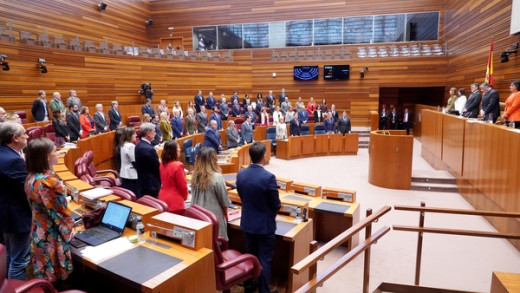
390	159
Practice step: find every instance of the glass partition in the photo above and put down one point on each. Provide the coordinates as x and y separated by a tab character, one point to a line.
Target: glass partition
204	38
298	33
256	35
358	30
328	31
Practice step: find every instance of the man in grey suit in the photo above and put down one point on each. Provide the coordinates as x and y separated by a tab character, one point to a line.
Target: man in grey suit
202	119
100	119
344	124
282	96
490	103
224	108
285	105
247	130
471	108
232	135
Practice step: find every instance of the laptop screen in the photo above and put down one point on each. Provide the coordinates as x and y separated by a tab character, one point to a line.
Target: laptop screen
116	215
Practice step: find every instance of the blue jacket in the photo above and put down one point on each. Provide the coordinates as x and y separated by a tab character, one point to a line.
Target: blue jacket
212	139
329	124
260	200
247	132
15	212
148	109
210	102
216	116
177	128
38	110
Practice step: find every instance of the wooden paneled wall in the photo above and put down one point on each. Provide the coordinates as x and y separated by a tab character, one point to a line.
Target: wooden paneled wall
123	21
469	27
183	15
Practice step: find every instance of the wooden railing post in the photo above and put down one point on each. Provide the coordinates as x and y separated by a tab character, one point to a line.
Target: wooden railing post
313	270
419	247
366	267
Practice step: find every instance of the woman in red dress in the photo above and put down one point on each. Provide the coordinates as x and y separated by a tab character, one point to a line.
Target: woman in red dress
174	189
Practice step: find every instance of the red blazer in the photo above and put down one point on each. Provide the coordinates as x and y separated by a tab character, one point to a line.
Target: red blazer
85	125
174	189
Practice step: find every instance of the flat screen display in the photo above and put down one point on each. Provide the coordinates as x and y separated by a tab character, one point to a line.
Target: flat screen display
336	72
306	72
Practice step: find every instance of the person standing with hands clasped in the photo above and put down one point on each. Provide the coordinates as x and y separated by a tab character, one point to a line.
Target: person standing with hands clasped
260	203
52	225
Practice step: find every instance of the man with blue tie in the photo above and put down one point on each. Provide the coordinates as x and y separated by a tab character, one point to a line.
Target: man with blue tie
176	123
210	101
115	116
148	109
247	130
251	113
260	203
216	116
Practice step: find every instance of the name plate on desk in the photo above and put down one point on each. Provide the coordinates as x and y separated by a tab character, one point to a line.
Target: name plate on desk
339	194
283	184
307	189
190	232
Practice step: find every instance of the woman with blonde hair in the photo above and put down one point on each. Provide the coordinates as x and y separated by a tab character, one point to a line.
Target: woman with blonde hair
166	128
177	106
209	188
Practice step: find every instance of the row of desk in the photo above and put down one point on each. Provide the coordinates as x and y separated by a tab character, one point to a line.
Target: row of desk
317	145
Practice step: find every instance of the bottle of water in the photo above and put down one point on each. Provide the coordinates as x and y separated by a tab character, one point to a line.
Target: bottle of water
140	231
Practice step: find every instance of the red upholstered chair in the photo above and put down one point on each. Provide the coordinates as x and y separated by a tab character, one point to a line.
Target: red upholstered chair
101	182
238	123
134	120
154	203
34	132
91	168
22	115
123	193
231	266
79	171
19	286
50	133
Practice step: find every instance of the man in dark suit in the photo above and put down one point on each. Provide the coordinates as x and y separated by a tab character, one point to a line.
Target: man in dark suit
147	162
472	104
224	108
281	97
115	116
73	123
237	111
15	212
295	129
269	101
407	120
100	119
344	124
210	101
334	113
176	123
260	203
39	108
199	101
490	103
148	109
202	119
234	97
216	116
251	113
247	130
212	137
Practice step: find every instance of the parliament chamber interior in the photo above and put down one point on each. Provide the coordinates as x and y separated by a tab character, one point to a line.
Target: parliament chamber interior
426	201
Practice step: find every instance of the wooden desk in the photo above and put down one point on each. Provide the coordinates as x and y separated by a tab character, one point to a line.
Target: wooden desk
291	247
317	145
66	175
502	282
390	155
182	277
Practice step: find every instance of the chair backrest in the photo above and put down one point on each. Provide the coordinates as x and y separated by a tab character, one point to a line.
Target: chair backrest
123	193
79	167
187	144
89	162
3	269
271	133
50	133
198	146
304	130
200	213
319	129
134	120
34	133
154	203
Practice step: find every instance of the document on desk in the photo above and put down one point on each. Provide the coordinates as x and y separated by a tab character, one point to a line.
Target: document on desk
106	250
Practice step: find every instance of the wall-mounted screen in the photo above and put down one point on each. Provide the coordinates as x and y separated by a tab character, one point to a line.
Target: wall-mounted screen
336	72
306	72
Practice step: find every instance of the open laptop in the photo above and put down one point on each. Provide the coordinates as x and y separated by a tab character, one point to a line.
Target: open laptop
111	227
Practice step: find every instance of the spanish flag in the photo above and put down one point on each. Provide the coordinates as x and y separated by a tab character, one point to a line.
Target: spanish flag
489	69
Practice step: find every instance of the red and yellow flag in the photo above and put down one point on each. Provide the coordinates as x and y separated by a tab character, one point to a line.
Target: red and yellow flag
489	69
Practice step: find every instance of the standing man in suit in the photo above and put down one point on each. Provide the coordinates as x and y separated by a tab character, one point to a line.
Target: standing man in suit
199	101
285	105
237	111
234	97
212	137
73	99
148	109
472	105
407	120
260	203
251	113
15	212
39	108
115	116
176	123
216	116
202	119
224	108
232	135
269	101
334	113
282	96
147	162
73	123
100	120
190	122
490	103
247	130
344	124
295	129
210	101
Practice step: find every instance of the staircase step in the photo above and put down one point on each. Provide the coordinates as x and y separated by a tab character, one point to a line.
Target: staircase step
434	180
436	187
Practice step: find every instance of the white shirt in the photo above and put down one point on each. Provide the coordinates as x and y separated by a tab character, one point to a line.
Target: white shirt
127	157
460	103
276	117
